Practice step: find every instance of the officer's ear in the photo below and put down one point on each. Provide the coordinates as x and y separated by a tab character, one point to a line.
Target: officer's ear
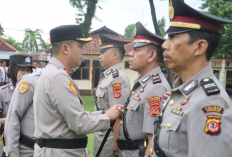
152	56
200	47
65	49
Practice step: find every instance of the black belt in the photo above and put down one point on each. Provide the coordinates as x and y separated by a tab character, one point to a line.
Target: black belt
128	145
63	143
27	141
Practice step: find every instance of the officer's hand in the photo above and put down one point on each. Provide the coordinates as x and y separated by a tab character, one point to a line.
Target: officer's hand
3	121
166	95
114	112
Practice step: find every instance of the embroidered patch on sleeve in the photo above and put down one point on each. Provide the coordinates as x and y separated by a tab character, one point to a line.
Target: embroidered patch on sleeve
71	86
213	108
117	90
23	87
154	102
213	125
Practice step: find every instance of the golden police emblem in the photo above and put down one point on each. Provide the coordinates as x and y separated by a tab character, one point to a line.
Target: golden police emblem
171	11
135	31
23	87
100	42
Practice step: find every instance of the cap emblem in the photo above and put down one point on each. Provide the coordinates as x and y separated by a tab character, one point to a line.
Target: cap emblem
28	59
100	42
135	31
171	11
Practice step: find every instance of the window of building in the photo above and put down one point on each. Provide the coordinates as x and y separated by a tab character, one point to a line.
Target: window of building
82	73
126	65
228	64
216	73
229	76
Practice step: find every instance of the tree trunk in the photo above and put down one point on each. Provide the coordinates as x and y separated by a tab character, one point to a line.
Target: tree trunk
86	25
153	14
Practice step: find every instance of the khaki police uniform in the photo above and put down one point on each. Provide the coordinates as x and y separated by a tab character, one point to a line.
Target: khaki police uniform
59	114
20	119
197	120
6	93
113	88
144	103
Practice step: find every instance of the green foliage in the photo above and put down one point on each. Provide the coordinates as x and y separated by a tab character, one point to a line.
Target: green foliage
161	25
13	42
86	12
36	41
129	31
1	30
221	8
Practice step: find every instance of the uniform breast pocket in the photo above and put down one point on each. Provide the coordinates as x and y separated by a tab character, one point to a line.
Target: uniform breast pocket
100	96
170	136
133	114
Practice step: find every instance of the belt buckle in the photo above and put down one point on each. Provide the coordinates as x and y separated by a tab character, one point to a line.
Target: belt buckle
40	142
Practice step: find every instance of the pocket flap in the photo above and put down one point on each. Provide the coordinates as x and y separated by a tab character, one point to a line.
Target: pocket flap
171	123
100	94
133	106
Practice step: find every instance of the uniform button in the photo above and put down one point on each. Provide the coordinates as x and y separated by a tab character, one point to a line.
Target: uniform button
160	126
171	102
151	151
133	155
131	105
133	92
127	108
121	123
99	85
168	125
98	94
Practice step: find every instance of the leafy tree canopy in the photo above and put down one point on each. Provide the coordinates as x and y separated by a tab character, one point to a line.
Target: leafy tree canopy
129	31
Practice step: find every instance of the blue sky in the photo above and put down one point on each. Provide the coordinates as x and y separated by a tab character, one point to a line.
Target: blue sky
17	15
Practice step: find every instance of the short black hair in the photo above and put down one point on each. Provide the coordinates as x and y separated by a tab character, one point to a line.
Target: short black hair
159	52
57	45
212	39
121	51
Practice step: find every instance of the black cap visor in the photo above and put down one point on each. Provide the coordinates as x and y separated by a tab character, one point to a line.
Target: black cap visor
177	30
24	65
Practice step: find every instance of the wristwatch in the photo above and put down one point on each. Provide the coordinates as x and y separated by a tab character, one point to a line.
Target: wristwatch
116	152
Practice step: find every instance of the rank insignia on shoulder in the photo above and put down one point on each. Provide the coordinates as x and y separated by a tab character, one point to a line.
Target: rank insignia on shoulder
71	86
209	86
155	78
190	87
213	108
117	90
213	125
108	72
115	73
23	87
146	79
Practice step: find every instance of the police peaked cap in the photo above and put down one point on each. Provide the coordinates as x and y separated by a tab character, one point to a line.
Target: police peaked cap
21	60
107	43
68	32
144	37
183	18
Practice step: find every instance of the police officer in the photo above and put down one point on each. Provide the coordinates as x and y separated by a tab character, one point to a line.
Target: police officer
146	97
19	129
61	124
113	88
19	65
197	119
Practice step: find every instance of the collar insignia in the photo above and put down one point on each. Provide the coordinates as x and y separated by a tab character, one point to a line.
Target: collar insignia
190	87
108	72
146	79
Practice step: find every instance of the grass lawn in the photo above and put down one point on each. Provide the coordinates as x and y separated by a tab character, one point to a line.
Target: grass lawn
89	106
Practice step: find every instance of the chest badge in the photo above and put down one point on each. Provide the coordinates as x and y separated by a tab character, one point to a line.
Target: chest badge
141	90
71	86
177	111
136	97
184	102
190	87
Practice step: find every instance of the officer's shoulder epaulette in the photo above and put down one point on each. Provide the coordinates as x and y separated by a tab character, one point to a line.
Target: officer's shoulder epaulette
156	78
209	86
115	73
